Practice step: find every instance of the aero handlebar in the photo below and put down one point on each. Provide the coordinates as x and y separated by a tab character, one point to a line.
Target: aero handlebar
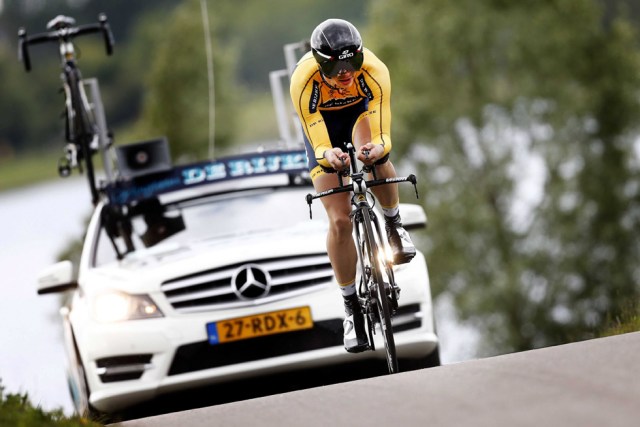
359	184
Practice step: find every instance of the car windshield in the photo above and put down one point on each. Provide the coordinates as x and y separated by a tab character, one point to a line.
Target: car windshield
221	216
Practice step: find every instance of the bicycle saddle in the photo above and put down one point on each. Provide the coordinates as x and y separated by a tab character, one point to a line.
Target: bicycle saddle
60	22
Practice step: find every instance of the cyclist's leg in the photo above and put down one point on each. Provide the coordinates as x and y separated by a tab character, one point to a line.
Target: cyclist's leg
340	245
344	259
387	195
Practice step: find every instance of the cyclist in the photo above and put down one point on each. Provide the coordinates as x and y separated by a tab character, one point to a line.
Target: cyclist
341	93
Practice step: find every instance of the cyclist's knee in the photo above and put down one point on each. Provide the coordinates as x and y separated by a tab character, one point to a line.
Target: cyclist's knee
340	224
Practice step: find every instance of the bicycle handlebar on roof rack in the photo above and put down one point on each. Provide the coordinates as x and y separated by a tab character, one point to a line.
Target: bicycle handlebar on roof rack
64	32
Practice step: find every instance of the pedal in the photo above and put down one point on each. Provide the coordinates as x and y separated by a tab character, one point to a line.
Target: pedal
403	257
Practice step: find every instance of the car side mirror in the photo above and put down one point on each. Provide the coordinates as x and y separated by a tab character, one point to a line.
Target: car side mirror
413	216
56	278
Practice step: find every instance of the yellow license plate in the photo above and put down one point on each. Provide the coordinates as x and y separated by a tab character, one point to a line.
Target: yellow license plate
259	325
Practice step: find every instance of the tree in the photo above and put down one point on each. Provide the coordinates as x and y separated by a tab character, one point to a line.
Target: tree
176	100
246	47
520	117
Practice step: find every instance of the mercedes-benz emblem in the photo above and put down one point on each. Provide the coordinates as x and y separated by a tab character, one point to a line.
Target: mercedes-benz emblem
251	281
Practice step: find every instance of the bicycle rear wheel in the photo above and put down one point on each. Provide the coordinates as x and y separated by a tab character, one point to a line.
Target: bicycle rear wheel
379	293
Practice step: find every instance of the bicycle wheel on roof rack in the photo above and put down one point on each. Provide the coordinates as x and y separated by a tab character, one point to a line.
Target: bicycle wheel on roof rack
379	293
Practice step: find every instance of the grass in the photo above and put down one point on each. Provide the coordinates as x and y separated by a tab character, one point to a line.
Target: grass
628	321
16	410
20	171
33	168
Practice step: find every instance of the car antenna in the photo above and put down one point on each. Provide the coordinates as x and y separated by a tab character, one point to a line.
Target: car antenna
209	51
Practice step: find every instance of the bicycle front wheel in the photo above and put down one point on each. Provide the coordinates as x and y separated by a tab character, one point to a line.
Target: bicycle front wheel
382	304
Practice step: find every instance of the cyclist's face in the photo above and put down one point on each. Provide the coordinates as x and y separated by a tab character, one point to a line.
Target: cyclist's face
343	79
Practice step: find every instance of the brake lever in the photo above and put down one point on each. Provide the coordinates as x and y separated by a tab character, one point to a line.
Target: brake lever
106	33
23	49
309	200
412	179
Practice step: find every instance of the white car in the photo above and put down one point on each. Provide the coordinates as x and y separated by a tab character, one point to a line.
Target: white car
212	273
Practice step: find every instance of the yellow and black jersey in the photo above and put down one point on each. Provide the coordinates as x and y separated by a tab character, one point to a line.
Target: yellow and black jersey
316	102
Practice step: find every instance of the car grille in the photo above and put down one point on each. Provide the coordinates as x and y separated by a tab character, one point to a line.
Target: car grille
123	368
214	289
202	355
326	333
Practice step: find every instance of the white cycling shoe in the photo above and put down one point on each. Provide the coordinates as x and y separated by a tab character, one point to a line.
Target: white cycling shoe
399	240
355	336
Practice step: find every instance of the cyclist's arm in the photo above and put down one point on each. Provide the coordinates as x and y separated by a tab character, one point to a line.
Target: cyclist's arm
375	83
305	95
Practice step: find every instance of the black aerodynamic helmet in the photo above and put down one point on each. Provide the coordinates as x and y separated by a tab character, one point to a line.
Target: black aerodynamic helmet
336	44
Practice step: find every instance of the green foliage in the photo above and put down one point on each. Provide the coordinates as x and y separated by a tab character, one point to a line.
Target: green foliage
26	170
626	321
246	47
176	100
521	119
16	410
259	37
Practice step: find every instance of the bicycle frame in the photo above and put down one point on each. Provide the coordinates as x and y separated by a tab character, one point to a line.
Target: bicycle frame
81	130
377	291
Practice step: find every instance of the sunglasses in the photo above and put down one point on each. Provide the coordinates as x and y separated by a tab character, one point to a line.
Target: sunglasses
349	61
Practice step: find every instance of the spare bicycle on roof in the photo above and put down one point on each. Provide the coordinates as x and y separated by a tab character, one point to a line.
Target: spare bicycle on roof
136	173
85	129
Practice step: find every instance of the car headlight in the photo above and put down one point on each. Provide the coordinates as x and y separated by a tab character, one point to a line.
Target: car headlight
119	306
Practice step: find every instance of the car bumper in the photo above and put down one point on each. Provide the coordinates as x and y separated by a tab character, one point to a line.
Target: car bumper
135	361
168	368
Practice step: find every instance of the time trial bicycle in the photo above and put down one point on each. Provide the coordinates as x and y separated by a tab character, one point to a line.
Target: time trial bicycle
81	131
377	290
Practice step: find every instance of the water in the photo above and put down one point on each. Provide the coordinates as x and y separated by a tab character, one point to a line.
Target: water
36	223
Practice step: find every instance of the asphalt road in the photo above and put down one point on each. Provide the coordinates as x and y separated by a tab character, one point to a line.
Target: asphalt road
590	383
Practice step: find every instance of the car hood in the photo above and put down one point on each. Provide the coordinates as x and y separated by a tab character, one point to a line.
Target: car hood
144	270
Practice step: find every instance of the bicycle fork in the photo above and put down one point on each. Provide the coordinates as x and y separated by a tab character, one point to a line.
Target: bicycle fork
368	289
392	288
364	284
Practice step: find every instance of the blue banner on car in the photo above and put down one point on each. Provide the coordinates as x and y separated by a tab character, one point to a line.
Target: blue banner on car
207	172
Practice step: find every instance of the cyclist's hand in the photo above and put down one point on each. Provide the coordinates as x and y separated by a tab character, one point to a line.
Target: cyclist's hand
338	159
369	153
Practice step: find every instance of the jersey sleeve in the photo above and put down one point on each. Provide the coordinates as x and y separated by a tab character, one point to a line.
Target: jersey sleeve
375	84
305	95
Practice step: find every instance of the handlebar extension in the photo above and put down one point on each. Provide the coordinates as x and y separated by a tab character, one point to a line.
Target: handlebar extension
61	35
359	176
